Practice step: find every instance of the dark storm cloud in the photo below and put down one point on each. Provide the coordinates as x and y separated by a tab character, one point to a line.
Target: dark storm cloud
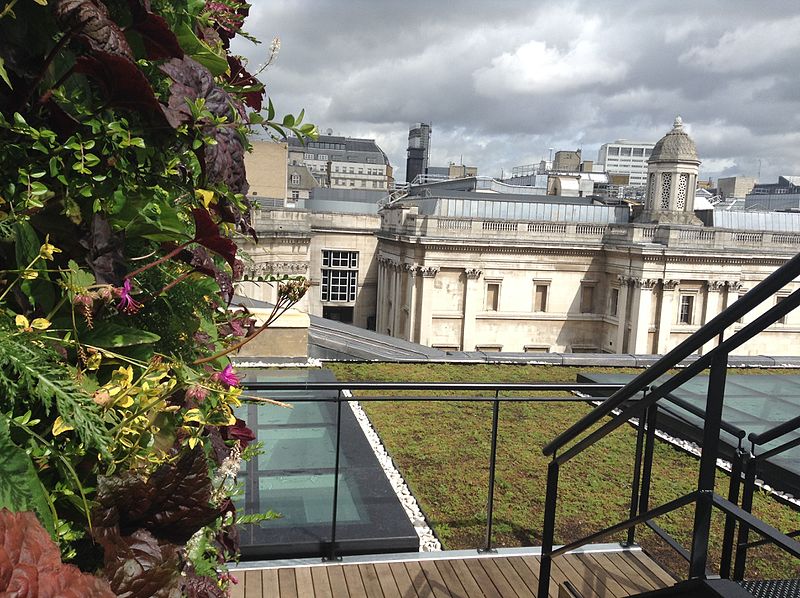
503	82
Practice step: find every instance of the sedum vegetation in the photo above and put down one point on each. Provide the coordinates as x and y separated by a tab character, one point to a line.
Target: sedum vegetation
448	470
123	127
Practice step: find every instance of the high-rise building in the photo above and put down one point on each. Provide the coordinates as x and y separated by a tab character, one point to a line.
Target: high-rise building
419	143
626	157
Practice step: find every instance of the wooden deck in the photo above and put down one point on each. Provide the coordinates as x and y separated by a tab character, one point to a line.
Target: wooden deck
593	574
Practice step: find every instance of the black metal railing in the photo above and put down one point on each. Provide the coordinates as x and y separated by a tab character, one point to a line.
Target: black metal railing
578	438
495	392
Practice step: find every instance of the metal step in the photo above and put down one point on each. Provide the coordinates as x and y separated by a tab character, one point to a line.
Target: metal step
773	588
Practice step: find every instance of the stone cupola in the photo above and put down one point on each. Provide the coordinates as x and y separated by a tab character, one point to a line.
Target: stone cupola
672	179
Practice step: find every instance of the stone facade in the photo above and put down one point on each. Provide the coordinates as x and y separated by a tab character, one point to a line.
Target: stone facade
570	288
293	242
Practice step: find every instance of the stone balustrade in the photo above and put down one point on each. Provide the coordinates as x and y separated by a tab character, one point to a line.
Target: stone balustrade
590	233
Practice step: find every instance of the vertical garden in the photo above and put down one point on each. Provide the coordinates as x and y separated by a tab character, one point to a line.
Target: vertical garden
123	129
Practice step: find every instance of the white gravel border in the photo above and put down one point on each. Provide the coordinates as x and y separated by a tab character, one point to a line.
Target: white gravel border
427	540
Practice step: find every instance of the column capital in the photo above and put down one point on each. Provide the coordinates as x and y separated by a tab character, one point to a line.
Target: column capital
624	280
716	285
412	269
669	284
648	284
473	273
733	285
429	271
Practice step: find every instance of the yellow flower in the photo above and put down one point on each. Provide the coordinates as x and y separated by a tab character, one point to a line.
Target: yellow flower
47	250
26	326
29	274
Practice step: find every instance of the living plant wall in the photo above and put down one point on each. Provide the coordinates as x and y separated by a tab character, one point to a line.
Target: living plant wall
123	128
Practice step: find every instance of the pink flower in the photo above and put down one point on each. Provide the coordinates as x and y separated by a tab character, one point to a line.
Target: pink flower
227	376
127	303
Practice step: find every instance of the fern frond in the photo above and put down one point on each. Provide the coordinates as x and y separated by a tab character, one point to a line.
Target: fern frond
32	373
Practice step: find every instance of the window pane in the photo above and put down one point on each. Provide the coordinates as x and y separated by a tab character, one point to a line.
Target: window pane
614	301
492	296
540	303
587	299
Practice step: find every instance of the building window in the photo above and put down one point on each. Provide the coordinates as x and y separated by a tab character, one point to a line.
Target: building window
295	195
322	157
666	189
625	151
683	188
540	290
492	296
778	299
308	156
614	305
339	275
686	313
613	151
295	178
587	298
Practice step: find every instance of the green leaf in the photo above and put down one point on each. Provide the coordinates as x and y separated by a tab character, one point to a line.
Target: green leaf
200	51
40	291
3	73
20	488
77	280
109	335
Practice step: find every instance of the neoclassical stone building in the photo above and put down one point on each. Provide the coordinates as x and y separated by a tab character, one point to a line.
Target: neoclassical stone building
465	270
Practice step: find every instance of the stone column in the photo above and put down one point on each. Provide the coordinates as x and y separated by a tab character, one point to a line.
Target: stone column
397	300
379	296
667	316
734	286
712	306
411	298
472	303
640	321
622	312
426	304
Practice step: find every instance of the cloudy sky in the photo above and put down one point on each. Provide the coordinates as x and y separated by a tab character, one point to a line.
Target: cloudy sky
501	82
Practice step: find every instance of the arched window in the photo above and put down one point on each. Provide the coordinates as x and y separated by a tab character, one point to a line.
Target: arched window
295	179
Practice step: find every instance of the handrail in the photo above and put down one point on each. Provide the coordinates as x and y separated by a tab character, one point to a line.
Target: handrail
485	386
657	392
779	430
757	295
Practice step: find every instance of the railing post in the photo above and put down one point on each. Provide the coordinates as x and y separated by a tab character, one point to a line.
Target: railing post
548	530
637	476
649	446
730	520
332	556
750	465
708	466
487	547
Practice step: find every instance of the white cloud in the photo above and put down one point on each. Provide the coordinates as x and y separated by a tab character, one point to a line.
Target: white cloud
746	47
536	67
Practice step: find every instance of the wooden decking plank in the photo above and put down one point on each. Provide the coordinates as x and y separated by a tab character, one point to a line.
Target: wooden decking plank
529	578
520	585
647	565
338	583
252	584
419	580
305	585
604	573
370	579
435	579
466	579
451	580
386	579
556	575
576	574
473	567
403	580
287	582
498	579
627	573
270	583
237	589
355	586
322	585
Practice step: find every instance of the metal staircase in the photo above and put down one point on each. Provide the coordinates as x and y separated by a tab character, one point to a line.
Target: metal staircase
623	405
